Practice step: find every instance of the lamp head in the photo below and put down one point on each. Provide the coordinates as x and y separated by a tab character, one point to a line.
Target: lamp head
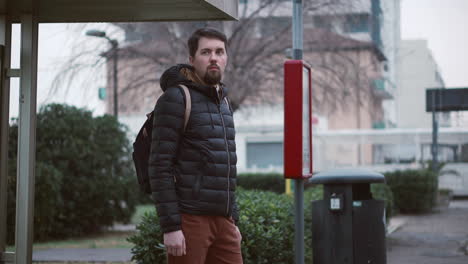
96	33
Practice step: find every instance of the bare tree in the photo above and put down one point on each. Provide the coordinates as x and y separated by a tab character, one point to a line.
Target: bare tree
344	73
257	49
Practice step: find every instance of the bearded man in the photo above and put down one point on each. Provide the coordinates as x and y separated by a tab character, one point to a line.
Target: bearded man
192	168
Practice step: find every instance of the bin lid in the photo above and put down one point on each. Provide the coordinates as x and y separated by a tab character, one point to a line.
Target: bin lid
345	176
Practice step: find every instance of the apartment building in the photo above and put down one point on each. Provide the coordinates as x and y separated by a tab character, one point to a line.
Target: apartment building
418	72
347	39
375	21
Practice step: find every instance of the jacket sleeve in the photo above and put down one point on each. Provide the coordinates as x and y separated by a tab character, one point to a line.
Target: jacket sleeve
167	131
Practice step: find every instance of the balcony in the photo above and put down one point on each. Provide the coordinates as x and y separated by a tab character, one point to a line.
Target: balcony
383	88
378	125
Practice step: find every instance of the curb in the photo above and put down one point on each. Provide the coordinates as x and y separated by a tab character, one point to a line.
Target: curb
395	223
83	255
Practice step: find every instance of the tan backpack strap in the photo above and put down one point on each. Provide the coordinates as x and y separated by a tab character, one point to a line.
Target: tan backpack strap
227	103
188	105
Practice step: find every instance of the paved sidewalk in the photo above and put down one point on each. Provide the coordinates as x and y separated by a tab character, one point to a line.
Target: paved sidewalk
440	237
83	255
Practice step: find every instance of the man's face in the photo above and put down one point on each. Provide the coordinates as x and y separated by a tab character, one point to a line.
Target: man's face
210	60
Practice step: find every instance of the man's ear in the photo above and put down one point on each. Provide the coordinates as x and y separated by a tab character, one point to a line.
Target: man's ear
191	60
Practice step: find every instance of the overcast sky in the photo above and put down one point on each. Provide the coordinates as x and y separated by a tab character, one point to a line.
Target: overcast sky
444	23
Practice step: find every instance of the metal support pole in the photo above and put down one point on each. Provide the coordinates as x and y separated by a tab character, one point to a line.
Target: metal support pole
115	72
299	221
297	29
26	140
297	33
5	45
434	149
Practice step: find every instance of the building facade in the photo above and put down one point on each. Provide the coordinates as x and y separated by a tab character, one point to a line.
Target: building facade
347	98
348	38
375	21
418	72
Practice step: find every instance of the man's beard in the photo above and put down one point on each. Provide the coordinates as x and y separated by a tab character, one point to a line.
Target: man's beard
212	77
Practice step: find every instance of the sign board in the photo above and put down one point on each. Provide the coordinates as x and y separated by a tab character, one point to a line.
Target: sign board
443	100
297	120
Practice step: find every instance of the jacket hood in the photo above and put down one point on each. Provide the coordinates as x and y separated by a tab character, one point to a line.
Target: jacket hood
178	74
173	77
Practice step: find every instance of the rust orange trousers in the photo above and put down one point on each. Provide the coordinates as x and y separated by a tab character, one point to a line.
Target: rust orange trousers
209	240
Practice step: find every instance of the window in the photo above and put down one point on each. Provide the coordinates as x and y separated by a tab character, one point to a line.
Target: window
323	22
271	25
264	154
356	23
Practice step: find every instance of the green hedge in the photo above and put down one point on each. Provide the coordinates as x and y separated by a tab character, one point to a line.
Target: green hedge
262	181
273	181
84	174
266	223
414	191
381	191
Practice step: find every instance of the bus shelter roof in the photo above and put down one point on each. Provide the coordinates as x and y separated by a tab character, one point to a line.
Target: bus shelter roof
69	11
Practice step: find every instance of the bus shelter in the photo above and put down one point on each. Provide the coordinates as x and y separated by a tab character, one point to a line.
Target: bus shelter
29	13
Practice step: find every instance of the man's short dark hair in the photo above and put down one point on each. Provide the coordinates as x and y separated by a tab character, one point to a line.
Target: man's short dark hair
207	33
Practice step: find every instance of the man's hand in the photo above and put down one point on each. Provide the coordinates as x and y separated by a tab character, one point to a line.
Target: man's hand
175	243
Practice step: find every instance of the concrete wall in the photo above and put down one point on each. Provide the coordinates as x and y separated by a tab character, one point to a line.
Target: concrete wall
418	71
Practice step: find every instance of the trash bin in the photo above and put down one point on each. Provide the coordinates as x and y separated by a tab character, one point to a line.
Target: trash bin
348	225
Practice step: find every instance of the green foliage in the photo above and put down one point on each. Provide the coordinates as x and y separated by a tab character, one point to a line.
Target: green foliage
272	181
84	173
381	191
266	223
414	191
262	181
148	241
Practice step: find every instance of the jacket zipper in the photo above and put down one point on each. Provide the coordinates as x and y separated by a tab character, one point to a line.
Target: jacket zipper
228	156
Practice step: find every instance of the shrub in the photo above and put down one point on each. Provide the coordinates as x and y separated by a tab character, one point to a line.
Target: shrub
266	223
414	191
262	181
84	175
273	181
383	192
148	241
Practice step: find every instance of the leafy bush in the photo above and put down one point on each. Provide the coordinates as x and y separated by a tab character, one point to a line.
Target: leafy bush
262	181
383	192
84	174
414	191
148	241
266	223
273	181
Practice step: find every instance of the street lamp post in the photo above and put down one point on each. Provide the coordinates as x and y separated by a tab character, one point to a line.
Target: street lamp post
114	44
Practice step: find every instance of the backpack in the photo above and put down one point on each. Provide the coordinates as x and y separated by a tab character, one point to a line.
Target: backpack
142	144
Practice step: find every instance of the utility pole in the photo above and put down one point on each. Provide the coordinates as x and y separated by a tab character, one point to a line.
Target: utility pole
114	49
297	34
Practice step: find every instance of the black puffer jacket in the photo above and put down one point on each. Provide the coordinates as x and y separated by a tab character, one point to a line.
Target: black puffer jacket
194	171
